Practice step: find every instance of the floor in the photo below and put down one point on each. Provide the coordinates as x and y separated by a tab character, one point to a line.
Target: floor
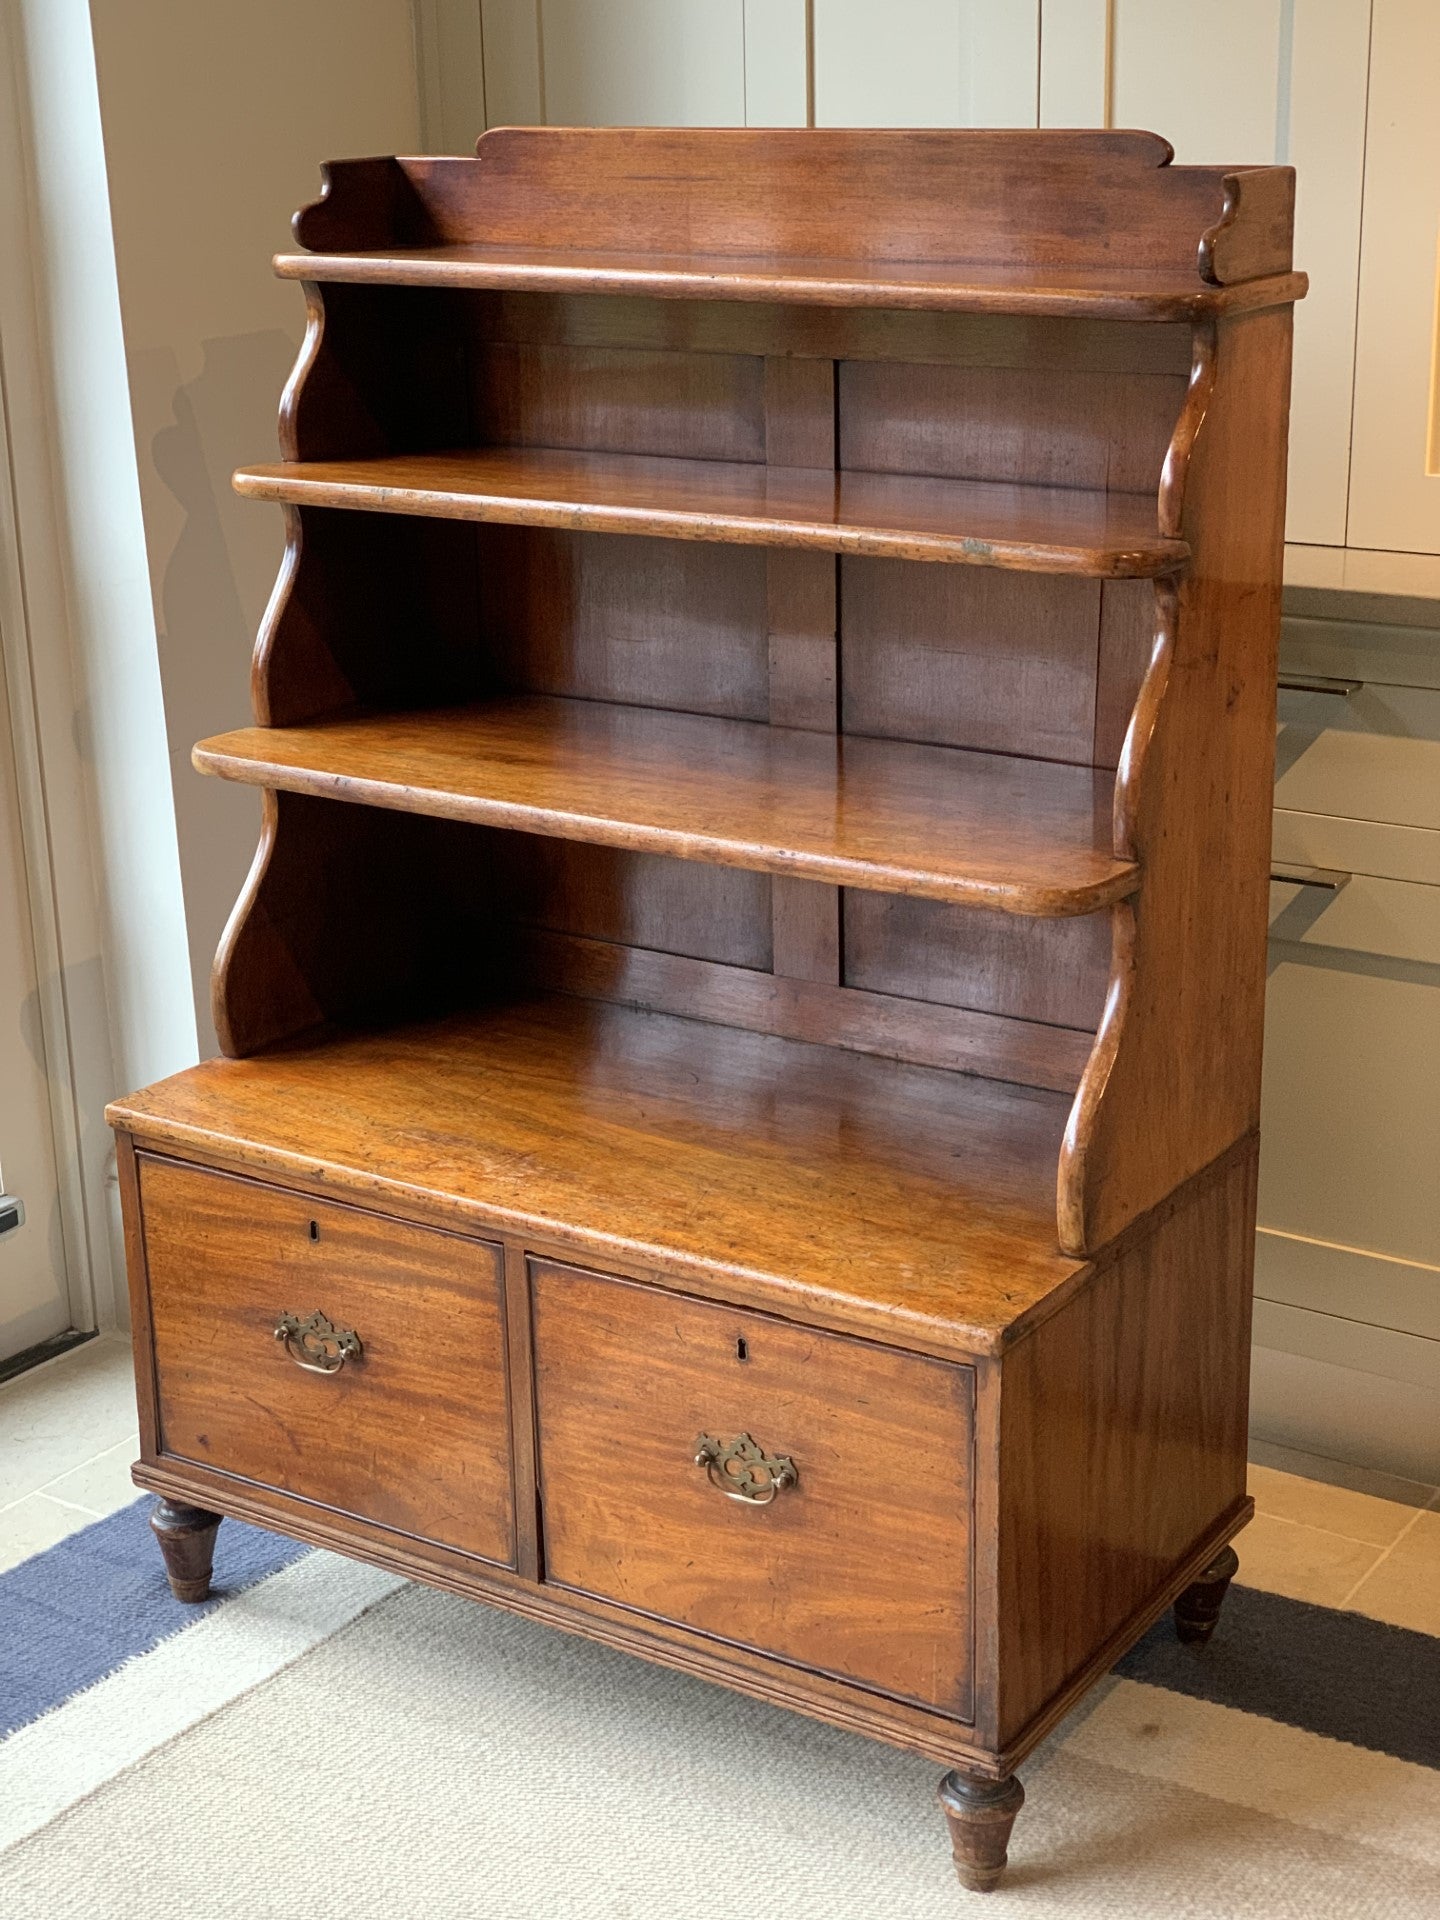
1334	1535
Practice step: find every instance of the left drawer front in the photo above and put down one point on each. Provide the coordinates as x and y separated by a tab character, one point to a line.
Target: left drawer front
412	1432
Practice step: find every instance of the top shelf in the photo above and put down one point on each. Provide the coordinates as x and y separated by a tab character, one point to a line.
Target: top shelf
1089	224
1093	293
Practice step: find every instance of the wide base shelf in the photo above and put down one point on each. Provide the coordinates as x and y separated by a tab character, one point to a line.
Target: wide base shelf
902	1202
984	829
1031	529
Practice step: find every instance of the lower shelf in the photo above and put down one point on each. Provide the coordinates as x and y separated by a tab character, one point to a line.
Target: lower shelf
887	1198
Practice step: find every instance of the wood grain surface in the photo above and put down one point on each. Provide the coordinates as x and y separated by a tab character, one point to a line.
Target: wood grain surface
800	1178
1175	1079
1020	836
413	1434
973	523
746	212
1126	293
861	1569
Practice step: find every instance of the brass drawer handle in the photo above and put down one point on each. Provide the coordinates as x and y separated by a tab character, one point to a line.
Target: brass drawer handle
742	1470
316	1343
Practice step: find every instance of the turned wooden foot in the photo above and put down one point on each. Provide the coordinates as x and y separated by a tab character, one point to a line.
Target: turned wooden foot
1198	1608
981	1814
187	1541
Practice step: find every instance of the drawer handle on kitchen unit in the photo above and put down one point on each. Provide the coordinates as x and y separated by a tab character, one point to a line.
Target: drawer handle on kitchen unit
742	1469
316	1343
1318	683
1330	878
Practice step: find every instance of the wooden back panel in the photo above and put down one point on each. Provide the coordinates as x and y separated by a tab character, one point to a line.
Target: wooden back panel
970	657
1052	198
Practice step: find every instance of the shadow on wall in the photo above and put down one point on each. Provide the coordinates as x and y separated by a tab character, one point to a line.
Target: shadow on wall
213	564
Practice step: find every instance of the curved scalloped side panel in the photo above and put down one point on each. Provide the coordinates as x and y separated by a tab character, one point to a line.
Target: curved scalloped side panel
363	204
1071	1184
1173	1079
258	990
1253	235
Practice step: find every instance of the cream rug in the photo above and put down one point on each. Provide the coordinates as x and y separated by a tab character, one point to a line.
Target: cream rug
335	1745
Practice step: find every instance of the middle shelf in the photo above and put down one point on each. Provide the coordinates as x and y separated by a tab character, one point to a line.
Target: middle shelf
1026	528
943	823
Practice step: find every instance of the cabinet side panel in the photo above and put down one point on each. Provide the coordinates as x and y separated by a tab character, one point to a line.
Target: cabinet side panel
1122	1437
1175	1077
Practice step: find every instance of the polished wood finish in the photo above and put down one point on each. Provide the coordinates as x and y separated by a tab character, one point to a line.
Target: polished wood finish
767	1004
965	522
765	214
1175	1076
1197	1610
875	1526
412	1432
987	830
815	1181
1123	1422
981	1814
187	1545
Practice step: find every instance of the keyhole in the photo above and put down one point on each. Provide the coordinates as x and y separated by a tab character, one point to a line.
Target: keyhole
742	1350
314	1229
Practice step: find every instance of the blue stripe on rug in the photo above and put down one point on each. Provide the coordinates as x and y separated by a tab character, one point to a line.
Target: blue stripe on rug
73	1614
1340	1674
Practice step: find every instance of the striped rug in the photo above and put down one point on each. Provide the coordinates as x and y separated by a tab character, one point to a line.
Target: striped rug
325	1740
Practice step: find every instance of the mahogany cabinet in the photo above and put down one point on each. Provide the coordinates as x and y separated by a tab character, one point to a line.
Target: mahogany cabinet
737	1125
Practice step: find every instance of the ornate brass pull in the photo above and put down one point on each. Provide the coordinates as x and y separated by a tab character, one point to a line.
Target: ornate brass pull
742	1469
316	1343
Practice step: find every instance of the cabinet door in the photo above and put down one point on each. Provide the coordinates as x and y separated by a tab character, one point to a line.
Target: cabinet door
1395	476
1294	91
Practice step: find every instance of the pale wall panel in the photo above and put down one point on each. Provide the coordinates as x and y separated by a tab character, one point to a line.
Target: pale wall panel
450	70
1326	146
897	66
1294	92
644	62
927	63
1395	482
776	64
1166	66
514	94
1075	63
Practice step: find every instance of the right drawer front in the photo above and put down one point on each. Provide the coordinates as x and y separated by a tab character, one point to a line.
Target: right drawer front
861	1569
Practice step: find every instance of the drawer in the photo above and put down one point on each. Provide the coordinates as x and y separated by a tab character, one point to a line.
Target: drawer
1351	1098
861	1568
1373	756
412	1432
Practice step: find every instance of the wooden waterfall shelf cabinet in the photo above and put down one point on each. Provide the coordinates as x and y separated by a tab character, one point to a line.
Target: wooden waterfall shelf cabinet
755	963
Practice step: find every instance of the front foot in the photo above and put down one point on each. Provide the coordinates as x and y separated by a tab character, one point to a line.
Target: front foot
981	1814
187	1543
1198	1608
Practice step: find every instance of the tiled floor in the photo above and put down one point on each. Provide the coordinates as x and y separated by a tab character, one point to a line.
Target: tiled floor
67	1438
1340	1536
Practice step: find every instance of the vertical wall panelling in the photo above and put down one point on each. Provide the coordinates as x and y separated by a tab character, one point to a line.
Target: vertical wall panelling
927	63
777	63
1326	112
1075	46
901	68
1000	63
1395	484
1296	93
514	70
450	71
643	63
